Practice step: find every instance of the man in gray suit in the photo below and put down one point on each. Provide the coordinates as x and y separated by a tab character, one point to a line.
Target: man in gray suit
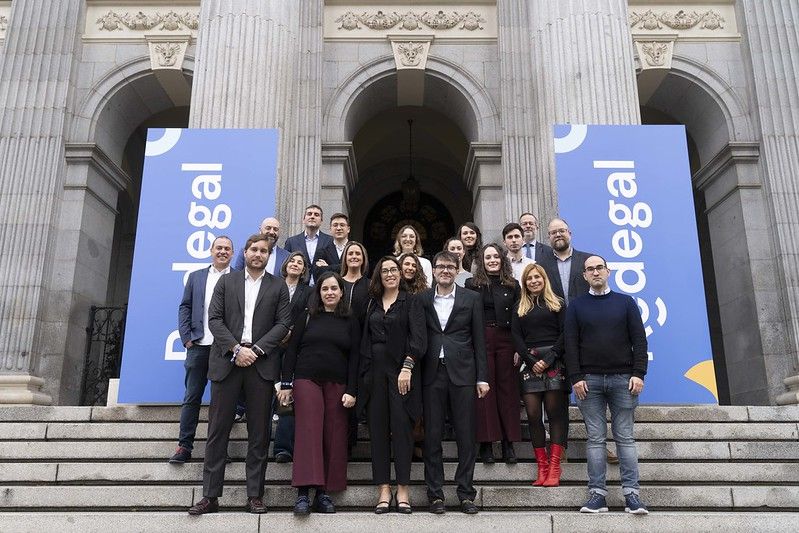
564	264
249	315
196	336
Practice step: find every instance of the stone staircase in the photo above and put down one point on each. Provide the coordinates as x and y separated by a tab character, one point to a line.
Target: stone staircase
104	469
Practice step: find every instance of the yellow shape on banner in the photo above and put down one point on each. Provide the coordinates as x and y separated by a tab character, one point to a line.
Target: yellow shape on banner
704	374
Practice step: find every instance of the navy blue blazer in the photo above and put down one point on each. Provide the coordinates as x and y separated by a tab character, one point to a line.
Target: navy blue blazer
577	284
282	255
190	310
296	243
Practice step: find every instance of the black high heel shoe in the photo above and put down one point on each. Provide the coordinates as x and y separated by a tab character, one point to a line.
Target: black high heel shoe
402	507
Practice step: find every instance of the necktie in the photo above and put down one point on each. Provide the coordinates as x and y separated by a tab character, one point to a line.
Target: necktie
528	250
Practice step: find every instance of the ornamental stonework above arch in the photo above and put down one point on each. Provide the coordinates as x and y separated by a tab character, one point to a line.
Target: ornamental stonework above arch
116	21
687	21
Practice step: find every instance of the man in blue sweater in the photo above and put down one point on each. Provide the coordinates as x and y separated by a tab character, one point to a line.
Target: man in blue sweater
606	360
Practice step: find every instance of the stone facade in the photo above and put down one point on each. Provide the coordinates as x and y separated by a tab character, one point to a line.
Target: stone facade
483	80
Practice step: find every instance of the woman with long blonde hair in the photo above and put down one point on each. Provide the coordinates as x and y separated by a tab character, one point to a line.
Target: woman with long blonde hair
537	329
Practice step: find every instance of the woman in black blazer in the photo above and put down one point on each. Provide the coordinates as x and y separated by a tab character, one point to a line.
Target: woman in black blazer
498	414
354	267
394	339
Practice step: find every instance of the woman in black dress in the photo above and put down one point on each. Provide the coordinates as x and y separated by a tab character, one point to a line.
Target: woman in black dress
498	416
538	337
354	267
394	340
320	373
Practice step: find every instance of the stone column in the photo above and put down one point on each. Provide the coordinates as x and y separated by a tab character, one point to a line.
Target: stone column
35	82
583	70
245	74
771	35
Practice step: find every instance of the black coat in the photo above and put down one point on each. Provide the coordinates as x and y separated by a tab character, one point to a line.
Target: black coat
577	284
504	298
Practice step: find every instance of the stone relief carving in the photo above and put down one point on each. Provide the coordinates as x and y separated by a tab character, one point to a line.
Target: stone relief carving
411	53
168	53
171	21
411	20
679	20
3	23
656	53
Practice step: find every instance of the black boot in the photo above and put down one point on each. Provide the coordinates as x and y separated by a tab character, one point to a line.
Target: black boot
486	453
508	453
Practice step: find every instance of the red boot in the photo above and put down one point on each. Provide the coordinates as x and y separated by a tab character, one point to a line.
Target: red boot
543	466
553	476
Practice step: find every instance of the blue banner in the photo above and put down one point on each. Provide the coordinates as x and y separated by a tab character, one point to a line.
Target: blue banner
626	194
197	185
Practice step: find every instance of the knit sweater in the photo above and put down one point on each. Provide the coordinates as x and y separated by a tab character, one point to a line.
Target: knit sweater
604	335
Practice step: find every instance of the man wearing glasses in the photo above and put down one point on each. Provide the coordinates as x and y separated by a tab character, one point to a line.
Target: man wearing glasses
564	265
455	374
606	361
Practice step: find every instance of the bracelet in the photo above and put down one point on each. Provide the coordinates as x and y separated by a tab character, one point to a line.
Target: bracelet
408	363
404	369
235	353
286	385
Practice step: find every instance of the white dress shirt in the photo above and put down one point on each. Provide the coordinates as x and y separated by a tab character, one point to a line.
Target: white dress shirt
443	304
592	292
210	284
251	288
270	263
528	249
518	266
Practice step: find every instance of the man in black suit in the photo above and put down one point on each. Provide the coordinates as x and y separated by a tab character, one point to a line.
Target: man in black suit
248	316
564	264
532	248
330	258
311	241
454	366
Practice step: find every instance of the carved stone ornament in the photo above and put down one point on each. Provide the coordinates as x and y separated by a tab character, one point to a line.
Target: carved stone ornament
411	21
411	53
167	52
3	23
171	21
679	20
655	53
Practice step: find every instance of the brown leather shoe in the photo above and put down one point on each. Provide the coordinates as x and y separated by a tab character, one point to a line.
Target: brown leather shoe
204	506
255	505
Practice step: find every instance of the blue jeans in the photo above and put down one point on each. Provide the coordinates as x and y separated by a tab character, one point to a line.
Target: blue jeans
196	379
610	391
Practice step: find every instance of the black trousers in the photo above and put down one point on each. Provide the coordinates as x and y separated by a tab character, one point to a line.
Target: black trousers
437	395
390	426
221	412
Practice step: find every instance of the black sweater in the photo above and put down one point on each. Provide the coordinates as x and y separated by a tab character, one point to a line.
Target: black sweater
604	335
326	349
539	327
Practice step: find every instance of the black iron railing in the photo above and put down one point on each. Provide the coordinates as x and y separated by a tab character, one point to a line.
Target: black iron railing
103	354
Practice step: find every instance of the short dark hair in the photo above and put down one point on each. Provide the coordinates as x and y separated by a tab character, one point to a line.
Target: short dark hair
223	237
339	215
510	227
303	275
446	256
255	237
316	305
528	213
604	262
376	283
313	206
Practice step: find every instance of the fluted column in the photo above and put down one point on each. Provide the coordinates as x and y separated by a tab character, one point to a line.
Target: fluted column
584	74
521	187
247	56
306	180
35	67
772	34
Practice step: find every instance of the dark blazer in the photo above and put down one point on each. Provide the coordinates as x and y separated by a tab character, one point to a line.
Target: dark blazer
504	298
358	298
577	284
540	250
281	254
463	339
270	323
406	334
296	243
330	256
191	308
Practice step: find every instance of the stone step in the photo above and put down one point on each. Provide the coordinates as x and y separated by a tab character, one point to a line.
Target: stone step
686	431
171	413
361	473
148	450
420	521
176	497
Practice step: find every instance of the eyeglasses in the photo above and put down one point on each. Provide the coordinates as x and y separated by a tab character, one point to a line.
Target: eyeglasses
561	231
446	268
599	269
392	270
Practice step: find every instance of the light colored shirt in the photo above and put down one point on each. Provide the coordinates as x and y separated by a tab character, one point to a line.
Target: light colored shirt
292	290
592	292
251	288
565	270
460	279
443	304
518	266
310	247
340	249
529	249
210	285
270	263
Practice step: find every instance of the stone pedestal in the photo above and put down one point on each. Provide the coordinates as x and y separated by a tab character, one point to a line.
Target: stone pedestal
34	92
583	73
770	25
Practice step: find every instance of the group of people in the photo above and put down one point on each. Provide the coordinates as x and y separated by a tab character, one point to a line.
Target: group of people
419	347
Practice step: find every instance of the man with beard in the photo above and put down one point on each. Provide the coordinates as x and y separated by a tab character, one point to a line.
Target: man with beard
311	241
564	264
248	316
197	338
532	248
270	227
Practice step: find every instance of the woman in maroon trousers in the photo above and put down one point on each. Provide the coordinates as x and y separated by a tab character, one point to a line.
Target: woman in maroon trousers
498	413
320	372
